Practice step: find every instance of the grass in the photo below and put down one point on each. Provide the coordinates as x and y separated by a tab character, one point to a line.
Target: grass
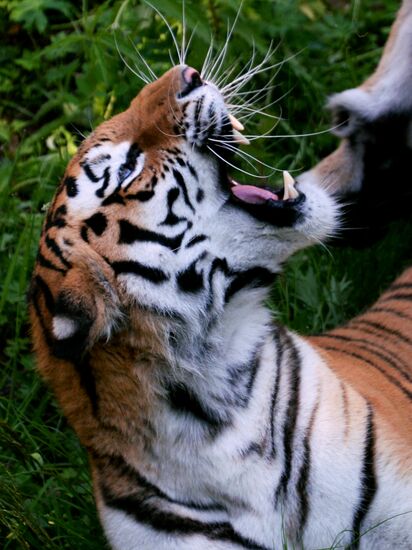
60	76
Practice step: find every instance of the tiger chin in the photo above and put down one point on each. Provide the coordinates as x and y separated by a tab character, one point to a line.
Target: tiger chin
209	426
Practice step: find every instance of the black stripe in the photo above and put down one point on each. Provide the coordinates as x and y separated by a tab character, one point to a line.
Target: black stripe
274	399
145	512
372	348
113	198
398	286
44	262
55	248
391	378
84	233
130	233
218	264
294	363
56	218
71	186
153	274
254	278
106	180
368	481
200	195
390	311
382	328
89	172
135	478
34	297
212	127
127	167
406	296
304	474
85	371
195	240
171	218
95	179
142	196
97	223
181	399
192	170
242	379
198	108
190	280
47	294
181	182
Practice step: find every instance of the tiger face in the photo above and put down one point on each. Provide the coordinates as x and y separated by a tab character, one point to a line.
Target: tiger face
151	184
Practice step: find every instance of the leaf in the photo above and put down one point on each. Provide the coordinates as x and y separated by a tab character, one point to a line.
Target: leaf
31	13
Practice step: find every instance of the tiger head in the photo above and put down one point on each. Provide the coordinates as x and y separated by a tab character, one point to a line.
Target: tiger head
152	182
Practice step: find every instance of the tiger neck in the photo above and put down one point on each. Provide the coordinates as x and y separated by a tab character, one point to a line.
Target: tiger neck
214	363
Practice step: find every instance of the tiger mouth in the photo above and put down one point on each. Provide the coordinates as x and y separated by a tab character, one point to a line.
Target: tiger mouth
279	207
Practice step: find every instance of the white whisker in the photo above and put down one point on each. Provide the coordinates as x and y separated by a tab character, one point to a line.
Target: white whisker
214	71
192	34
236	167
309	134
205	66
172	34
227	145
236	150
182	55
139	75
151	72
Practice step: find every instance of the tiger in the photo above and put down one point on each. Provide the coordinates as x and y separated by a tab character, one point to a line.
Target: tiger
209	425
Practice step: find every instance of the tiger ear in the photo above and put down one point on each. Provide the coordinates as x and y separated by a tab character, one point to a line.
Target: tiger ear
387	92
78	308
350	110
87	309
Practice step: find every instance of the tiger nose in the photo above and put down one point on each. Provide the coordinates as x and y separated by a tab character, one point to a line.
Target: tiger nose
191	78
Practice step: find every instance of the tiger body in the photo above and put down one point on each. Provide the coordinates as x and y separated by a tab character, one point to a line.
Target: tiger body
209	426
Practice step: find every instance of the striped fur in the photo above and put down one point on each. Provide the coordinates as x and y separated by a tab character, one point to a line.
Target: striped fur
208	426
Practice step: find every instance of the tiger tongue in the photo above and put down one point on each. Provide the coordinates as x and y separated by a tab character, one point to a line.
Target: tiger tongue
252	194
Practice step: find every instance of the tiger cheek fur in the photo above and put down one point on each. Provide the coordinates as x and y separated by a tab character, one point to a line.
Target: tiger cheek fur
209	426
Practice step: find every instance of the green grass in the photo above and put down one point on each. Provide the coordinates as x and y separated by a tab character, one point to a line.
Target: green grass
60	76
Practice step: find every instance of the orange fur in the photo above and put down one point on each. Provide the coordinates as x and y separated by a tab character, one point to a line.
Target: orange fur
373	354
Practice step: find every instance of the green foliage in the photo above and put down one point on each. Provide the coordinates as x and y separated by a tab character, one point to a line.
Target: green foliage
63	70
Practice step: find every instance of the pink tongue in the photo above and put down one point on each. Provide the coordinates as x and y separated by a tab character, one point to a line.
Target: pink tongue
252	194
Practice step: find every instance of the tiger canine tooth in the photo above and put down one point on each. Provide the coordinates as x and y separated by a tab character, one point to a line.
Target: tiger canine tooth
236	124
239	138
289	186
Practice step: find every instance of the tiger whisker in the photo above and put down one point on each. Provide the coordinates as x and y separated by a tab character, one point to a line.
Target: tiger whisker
227	145
260	67
214	71
234	109
244	69
236	167
309	134
207	59
140	76
220	81
245	154
172	34
151	72
182	56
189	42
